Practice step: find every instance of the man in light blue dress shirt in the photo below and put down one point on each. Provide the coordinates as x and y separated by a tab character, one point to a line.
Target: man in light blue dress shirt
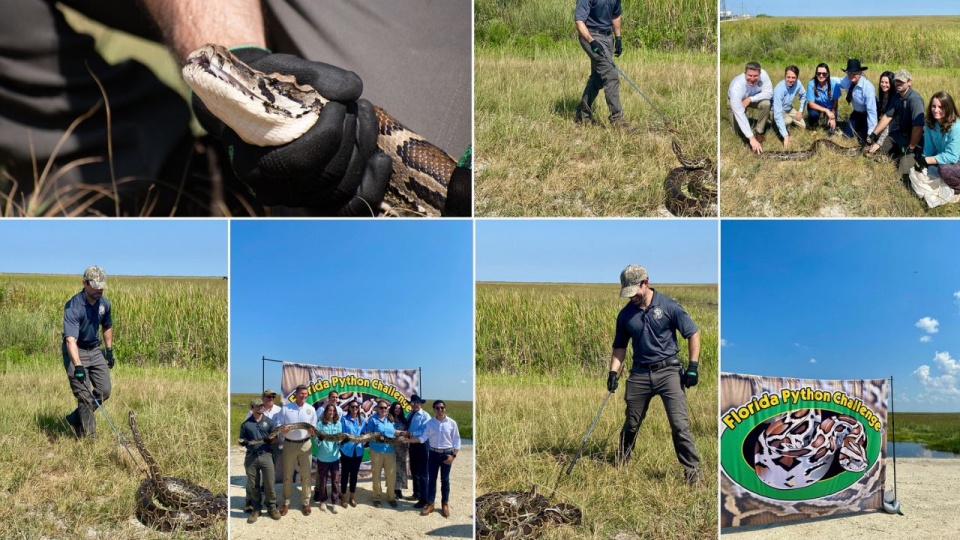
783	95
863	97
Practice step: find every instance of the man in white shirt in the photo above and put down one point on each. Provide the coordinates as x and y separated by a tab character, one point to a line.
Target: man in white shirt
297	448
444	437
751	89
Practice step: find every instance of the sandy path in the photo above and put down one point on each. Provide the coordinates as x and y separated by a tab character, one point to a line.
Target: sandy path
364	521
927	490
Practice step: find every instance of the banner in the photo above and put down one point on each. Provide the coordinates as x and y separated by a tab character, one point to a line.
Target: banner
800	448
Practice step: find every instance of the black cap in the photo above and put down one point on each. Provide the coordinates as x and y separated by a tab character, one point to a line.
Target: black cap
853	64
417	399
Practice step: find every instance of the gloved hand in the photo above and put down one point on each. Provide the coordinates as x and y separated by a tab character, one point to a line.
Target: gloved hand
459	201
872	138
618	46
692	375
612	382
79	373
921	160
330	168
108	355
596	47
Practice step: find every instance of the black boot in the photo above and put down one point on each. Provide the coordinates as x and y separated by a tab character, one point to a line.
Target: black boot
625	447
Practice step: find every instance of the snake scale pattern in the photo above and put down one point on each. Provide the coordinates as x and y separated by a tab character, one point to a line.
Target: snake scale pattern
520	515
183	505
699	177
827	144
335	437
270	109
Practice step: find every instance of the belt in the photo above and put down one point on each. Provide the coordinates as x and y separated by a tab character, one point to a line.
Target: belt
88	347
298	441
442	451
669	362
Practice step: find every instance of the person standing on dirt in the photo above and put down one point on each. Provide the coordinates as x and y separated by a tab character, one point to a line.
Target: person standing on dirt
598	28
258	462
751	89
418	451
83	317
443	437
783	95
271	410
863	97
297	448
351	454
652	320
382	457
906	119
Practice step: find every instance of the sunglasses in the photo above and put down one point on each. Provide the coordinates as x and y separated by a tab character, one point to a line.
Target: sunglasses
821	73
382	408
258	406
438	407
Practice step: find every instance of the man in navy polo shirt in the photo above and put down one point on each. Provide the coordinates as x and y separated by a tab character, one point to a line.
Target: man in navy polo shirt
83	316
598	27
652	320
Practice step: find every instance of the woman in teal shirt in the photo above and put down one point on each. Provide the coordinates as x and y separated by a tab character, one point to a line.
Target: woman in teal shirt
941	142
328	458
351	454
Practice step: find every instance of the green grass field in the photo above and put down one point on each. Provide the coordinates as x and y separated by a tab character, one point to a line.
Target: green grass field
170	338
828	185
542	357
936	431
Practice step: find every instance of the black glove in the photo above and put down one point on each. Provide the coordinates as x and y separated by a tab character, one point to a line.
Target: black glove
329	168
873	138
596	47
612	382
692	375
242	442
79	373
921	160
459	201
618	46
108	354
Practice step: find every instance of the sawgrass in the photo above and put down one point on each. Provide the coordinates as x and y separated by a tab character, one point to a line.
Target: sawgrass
542	357
531	159
936	431
828	185
55	486
178	322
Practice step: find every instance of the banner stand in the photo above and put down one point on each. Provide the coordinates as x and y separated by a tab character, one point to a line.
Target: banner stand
890	503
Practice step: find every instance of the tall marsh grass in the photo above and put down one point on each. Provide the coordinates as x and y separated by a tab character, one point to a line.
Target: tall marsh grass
177	322
936	431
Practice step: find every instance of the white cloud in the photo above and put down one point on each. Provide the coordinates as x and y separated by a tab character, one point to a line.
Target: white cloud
947	364
723	342
463	381
941	388
929	325
956	295
813	360
925	339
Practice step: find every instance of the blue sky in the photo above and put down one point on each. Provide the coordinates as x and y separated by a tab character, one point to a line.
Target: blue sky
848	8
860	299
362	294
140	247
595	251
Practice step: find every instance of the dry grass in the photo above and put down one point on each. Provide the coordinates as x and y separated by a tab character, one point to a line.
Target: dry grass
532	160
55	486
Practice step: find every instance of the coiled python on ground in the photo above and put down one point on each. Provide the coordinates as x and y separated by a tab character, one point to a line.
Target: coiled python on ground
699	177
520	515
335	437
186	506
271	109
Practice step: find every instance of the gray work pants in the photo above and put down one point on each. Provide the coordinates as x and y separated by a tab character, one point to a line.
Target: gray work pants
258	467
641	387
98	375
602	76
906	161
763	117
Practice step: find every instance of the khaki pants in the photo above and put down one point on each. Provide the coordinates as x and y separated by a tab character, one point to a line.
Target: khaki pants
789	120
297	454
763	117
386	462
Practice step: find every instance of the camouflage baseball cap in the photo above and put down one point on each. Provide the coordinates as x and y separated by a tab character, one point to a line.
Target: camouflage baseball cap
96	276
256	402
630	280
902	75
269	393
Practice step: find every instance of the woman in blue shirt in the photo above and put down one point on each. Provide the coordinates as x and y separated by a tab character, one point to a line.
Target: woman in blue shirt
941	141
327	454
351	454
823	94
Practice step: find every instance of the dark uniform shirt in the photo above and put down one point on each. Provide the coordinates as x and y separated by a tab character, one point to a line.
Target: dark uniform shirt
906	113
251	430
82	320
653	330
598	15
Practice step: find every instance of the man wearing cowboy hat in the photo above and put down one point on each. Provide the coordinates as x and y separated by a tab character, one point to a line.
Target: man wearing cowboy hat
83	316
863	97
905	118
418	451
652	320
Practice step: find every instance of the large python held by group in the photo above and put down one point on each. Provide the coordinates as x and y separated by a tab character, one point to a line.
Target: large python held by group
339	438
271	109
183	505
520	515
699	178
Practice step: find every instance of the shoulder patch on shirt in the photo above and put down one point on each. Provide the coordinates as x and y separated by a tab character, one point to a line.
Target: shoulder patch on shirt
102	310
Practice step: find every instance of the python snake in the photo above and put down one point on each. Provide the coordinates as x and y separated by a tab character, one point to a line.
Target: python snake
186	506
335	437
520	515
798	448
801	155
272	109
699	176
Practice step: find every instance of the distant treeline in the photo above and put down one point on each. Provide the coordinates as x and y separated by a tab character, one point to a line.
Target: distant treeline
669	25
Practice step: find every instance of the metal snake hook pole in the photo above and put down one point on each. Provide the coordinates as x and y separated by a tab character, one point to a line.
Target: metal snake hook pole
624	75
594	424
120	437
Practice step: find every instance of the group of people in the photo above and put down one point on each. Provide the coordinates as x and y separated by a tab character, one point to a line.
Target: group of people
889	118
432	445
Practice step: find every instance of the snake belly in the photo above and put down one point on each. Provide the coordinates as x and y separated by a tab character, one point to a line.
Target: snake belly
185	506
272	109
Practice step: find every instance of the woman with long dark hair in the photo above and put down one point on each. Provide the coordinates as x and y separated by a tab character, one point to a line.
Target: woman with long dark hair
401	423
328	458
351	454
936	175
823	95
885	93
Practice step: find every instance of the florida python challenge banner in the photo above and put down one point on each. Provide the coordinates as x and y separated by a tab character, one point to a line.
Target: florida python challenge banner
800	448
